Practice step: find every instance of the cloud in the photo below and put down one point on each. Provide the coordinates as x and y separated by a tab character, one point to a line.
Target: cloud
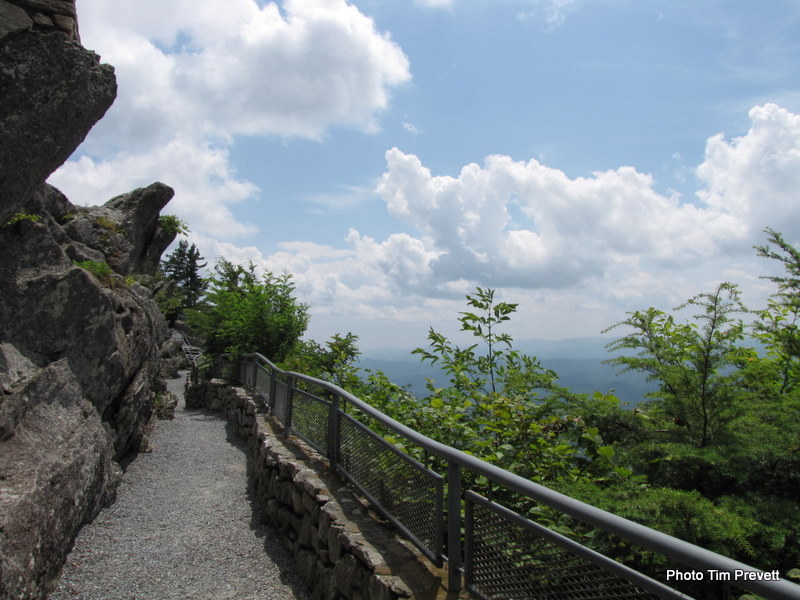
194	74
528	225
205	183
756	176
434	3
553	12
245	70
587	247
525	225
348	197
410	127
403	258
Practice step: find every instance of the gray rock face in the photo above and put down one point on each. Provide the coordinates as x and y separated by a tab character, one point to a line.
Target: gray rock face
79	346
126	229
54	91
56	473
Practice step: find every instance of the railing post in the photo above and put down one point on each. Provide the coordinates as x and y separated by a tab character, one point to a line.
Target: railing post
287	422
333	432
453	526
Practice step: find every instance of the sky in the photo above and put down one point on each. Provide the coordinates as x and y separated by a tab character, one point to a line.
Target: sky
584	158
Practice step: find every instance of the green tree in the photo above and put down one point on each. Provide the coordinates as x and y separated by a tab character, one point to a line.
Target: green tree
500	404
334	362
694	363
183	267
777	326
245	313
478	375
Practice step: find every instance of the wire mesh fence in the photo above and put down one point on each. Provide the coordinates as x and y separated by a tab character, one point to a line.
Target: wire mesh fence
509	557
226	368
407	493
280	402
310	416
506	556
262	380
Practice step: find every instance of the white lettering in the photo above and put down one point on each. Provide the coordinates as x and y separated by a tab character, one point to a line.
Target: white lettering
757	575
684	575
717	575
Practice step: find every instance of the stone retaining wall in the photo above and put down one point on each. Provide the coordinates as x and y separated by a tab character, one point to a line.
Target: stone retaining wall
44	15
340	548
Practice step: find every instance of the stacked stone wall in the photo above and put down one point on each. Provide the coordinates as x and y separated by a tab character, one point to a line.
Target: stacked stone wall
339	547
43	15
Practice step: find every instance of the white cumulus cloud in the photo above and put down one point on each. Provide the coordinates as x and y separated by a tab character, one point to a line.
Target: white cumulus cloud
194	74
756	177
570	230
586	249
232	68
204	181
434	3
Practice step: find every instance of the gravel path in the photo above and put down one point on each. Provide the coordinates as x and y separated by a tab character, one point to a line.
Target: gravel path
183	526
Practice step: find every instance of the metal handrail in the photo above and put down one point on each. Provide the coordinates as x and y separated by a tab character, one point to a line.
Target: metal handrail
667	545
192	353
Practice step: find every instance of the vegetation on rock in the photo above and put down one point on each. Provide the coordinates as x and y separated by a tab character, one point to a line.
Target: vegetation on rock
173	225
21	216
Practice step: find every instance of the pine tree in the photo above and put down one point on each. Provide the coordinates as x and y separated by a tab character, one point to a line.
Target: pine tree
183	267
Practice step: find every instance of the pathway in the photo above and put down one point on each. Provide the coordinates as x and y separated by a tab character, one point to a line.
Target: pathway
183	526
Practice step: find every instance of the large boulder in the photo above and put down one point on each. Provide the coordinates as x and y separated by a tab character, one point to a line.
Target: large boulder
80	337
54	91
108	330
79	368
57	471
126	229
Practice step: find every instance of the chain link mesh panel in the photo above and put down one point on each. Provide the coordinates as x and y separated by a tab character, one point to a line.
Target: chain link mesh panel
262	381
310	419
508	561
279	403
248	374
225	368
407	493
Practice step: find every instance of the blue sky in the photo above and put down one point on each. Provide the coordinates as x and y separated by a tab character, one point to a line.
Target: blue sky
583	157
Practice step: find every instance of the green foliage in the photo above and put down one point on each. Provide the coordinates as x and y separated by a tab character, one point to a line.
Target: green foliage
107	224
183	267
500	405
691	362
716	453
713	458
777	326
723	527
100	269
478	376
334	362
20	216
164	405
243	313
173	225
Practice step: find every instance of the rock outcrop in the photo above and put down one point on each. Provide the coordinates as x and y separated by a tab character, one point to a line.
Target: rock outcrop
79	336
54	91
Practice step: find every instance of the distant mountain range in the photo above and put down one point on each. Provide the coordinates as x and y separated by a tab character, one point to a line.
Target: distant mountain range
577	361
